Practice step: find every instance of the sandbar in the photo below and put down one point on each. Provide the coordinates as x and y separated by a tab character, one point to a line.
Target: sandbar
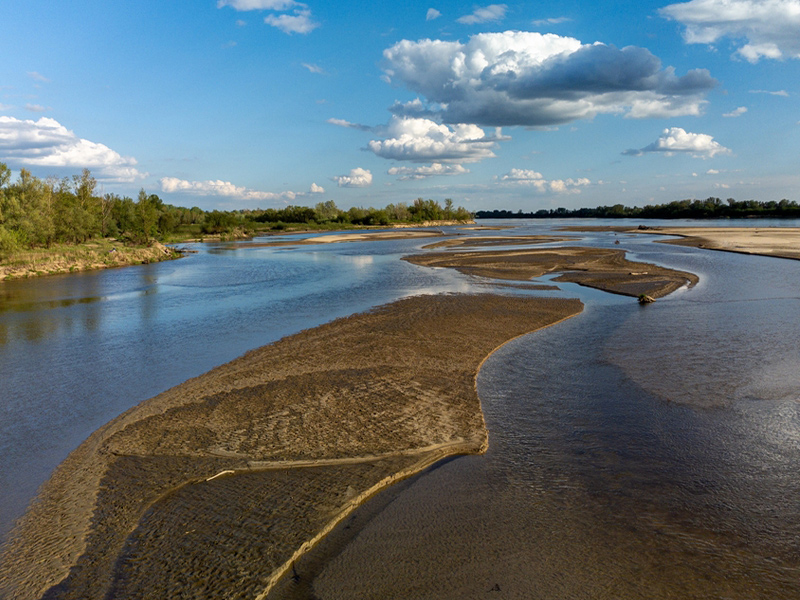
349	237
214	488
494	240
601	268
780	242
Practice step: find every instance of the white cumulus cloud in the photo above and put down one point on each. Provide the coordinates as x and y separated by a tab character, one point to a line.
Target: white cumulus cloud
357	178
536	180
317	189
423	140
47	143
425	171
493	12
221	188
533	79
770	28
432	14
676	140
299	22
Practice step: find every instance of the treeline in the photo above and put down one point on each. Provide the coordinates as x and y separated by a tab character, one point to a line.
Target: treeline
327	212
37	213
710	208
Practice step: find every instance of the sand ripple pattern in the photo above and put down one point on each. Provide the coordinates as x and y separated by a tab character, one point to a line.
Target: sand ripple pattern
212	488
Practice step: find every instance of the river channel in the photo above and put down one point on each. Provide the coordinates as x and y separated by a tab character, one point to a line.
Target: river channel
635	452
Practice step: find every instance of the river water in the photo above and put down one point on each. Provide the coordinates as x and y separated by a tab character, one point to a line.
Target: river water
635	452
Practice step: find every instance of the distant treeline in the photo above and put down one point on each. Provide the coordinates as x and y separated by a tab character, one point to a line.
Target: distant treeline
710	208
37	213
327	212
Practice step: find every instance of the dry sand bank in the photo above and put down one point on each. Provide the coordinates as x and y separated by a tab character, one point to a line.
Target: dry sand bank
782	242
599	268
351	237
488	227
212	488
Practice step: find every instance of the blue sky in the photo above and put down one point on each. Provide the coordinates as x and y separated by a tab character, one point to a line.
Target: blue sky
263	103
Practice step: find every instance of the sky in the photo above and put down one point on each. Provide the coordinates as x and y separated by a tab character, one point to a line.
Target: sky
237	104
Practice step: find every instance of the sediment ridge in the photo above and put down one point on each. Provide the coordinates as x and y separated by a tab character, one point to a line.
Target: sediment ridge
212	488
600	268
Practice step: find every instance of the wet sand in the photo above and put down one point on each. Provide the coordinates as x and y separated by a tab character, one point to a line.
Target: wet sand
215	487
599	268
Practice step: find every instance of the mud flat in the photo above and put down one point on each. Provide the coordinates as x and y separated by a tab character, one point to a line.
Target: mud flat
213	488
599	268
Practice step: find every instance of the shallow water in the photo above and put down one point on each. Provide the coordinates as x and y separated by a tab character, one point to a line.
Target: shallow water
77	350
636	452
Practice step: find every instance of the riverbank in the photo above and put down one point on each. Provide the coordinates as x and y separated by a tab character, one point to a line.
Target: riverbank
68	258
211	488
108	253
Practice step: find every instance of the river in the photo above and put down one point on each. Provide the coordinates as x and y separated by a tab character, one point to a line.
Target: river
634	451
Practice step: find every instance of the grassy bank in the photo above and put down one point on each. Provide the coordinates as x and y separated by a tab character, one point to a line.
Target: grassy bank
70	258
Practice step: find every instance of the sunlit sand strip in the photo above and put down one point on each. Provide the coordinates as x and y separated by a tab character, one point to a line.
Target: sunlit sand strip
780	242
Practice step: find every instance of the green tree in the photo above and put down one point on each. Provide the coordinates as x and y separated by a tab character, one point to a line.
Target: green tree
326	211
145	225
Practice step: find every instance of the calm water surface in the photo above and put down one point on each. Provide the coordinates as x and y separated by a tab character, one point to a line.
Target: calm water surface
636	452
77	350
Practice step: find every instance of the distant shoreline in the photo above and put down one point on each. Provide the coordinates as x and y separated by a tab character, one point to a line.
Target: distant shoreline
778	242
110	253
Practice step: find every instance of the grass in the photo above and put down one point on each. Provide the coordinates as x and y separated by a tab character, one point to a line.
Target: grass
69	258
